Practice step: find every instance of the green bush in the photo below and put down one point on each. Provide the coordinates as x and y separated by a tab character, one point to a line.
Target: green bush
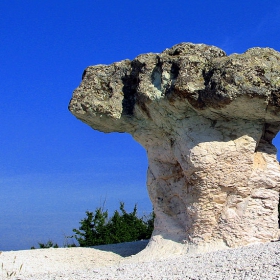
47	245
98	229
50	244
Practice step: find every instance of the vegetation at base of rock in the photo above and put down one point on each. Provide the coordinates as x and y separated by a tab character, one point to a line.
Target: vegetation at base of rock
49	244
98	229
46	245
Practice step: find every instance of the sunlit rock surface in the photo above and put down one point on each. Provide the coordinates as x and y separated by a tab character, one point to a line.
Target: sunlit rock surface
207	121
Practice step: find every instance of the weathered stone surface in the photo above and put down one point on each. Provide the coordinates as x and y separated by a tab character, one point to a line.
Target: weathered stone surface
206	121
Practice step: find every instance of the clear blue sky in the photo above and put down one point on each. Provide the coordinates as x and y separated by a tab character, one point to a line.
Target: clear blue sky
53	167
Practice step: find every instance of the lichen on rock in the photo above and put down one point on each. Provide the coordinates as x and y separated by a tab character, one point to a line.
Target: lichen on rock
207	121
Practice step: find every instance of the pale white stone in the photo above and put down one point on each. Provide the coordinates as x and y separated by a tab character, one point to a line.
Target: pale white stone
206	121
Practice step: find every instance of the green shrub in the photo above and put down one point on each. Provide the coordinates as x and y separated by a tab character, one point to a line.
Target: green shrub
98	229
50	244
47	245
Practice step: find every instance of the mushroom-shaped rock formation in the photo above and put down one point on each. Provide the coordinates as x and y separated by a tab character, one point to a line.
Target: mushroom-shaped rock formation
207	121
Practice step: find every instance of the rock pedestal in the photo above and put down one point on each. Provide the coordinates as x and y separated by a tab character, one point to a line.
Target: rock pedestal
207	121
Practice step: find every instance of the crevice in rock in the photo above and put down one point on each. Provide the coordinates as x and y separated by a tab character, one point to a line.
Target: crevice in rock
130	85
275	98
270	131
213	95
141	102
170	87
157	75
277	138
174	72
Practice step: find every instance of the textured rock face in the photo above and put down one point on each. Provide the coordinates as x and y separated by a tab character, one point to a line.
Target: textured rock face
206	121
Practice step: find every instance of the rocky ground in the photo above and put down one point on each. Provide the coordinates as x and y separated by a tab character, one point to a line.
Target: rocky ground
118	262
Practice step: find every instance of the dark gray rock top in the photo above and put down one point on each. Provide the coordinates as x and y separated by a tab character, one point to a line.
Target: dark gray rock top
185	80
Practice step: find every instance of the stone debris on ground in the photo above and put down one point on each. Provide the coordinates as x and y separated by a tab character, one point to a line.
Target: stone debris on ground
254	262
